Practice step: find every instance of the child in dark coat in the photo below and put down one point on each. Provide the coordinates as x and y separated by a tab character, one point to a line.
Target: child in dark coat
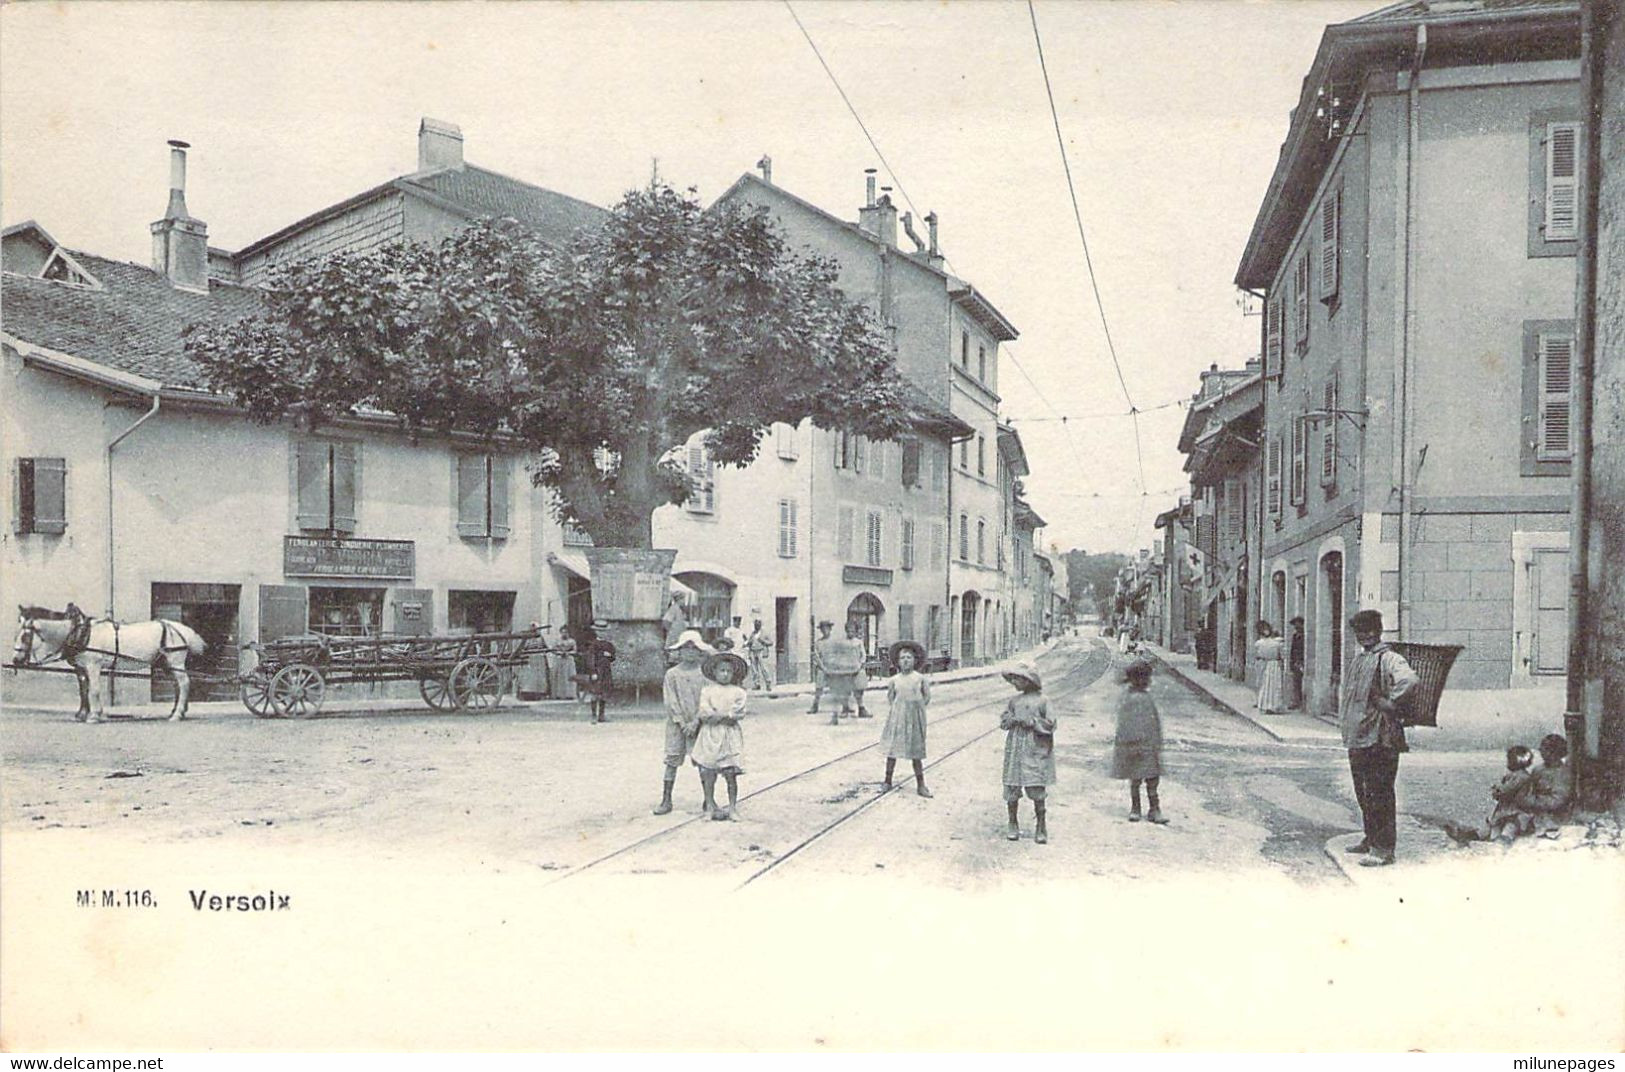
1137	750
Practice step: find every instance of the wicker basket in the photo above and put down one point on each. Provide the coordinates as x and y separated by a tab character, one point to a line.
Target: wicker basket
1432	664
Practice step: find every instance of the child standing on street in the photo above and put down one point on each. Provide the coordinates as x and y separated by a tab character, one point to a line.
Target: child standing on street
683	685
1137	750
720	742
1029	748
909	692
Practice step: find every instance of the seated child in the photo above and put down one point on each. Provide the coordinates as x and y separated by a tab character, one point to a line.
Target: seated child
1509	819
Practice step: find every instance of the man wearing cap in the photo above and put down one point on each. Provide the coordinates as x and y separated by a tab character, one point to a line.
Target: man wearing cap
1378	680
818	663
683	685
600	674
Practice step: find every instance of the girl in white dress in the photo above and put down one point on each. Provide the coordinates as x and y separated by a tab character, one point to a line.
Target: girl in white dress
720	743
909	692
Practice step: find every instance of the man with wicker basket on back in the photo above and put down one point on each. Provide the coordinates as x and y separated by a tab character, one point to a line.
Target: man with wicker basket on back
1374	696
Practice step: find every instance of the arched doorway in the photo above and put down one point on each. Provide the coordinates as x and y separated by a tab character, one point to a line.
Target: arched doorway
970	606
866	612
711	607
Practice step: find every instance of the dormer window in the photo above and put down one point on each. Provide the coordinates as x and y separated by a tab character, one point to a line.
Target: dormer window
61	268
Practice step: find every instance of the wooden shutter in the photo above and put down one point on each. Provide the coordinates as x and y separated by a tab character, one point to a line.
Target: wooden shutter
981	456
22	495
1328	436
1556	359
839	439
872	547
905	622
282	611
936	544
981	540
1300	298
1232	512
51	495
1272	494
413	610
784	436
860	447
501	490
1300	461
346	460
787	528
471	495
1331	225
702	480
843	533
964	538
1562	182
1272	337
939	470
1549	582
311	464
906	552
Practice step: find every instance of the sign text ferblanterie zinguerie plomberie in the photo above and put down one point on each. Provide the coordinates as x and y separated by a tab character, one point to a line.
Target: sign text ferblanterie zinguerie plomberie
320	556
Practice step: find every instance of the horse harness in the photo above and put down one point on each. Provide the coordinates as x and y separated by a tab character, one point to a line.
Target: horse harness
77	641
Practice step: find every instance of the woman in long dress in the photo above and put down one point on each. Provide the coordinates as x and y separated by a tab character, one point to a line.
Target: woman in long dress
1269	650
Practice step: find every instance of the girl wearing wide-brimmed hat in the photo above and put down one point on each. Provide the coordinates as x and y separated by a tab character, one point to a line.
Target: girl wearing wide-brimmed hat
683	684
1029	748
720	742
908	693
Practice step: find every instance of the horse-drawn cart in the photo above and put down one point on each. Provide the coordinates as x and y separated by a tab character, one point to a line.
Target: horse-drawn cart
454	673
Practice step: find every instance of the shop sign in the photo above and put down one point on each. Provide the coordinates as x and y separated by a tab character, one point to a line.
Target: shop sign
317	556
866	575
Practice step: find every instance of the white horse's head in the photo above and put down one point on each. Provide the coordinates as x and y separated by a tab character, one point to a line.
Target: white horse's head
39	636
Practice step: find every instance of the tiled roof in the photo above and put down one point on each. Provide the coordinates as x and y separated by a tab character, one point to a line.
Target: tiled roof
133	324
1427	10
486	193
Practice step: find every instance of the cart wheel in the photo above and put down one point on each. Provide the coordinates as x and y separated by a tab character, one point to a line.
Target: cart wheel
255	691
297	690
476	684
437	693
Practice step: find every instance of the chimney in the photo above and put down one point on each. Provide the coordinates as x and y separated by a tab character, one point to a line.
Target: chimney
869	187
908	229
765	165
935	251
180	244
440	145
879	217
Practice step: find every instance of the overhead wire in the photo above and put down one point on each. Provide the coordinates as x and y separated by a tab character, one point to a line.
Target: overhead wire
1077	215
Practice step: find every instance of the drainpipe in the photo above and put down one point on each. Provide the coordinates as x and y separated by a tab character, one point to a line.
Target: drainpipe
1408	335
1584	699
115	441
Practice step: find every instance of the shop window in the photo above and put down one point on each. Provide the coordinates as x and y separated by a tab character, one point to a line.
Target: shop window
39	496
346	611
479	612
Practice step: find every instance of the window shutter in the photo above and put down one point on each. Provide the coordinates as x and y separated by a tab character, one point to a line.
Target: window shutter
471	495
964	538
981	540
860	447
1328	437
905	622
1562	182
981	456
51	495
1556	358
501	490
839	440
843	534
1233	511
877	467
702	480
22	495
873	548
1300	460
964	454
1331	220
939	471
346	458
785	438
936	544
1272	343
1300	298
787	528
1273	493
907	542
311	478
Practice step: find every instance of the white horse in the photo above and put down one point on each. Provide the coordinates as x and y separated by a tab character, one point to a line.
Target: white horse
92	646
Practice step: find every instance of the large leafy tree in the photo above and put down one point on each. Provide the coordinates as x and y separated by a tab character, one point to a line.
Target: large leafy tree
603	356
